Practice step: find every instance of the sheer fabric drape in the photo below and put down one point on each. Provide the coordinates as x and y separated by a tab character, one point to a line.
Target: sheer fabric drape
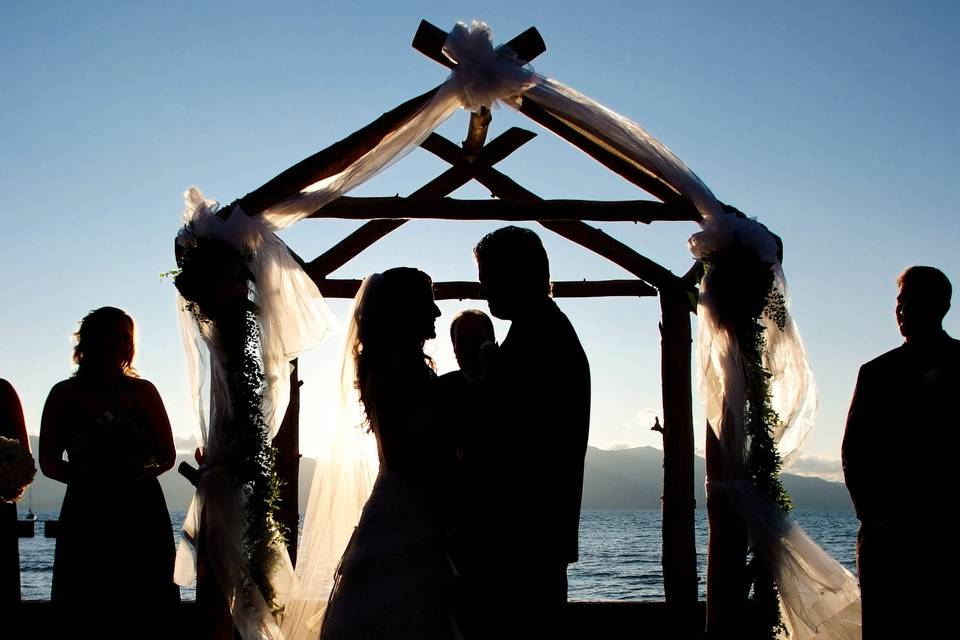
293	318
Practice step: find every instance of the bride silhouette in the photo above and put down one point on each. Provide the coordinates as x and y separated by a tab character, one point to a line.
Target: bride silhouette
394	579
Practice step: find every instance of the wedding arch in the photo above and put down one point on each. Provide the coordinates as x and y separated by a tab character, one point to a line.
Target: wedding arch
235	518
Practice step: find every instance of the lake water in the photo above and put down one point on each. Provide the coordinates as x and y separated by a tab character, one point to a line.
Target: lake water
619	553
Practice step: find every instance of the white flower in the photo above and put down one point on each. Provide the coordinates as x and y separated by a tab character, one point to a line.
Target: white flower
17	469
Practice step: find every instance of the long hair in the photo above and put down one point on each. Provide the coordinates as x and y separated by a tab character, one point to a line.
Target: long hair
100	330
386	337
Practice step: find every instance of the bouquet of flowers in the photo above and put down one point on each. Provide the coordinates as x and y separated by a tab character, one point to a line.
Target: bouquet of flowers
17	469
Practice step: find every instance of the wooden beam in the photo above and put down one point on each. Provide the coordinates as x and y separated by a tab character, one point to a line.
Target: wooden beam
397	207
492	153
429	40
333	288
331	160
615	251
447	182
345	250
594	239
607	155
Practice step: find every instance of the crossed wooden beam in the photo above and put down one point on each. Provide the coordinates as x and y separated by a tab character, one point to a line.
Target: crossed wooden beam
475	160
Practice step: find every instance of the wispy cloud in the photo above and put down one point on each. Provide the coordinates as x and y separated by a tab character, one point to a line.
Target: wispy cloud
184	444
633	432
826	468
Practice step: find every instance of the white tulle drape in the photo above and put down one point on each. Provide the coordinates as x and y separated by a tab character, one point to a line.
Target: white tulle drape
819	598
345	473
293	318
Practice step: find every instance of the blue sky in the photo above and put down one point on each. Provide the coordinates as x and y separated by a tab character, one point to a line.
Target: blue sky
833	123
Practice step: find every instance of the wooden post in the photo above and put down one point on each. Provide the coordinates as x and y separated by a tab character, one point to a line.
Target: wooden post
476	133
287	443
726	554
679	545
213	616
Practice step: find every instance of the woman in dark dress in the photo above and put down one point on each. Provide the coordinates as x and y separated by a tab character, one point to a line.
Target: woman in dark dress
11	426
115	545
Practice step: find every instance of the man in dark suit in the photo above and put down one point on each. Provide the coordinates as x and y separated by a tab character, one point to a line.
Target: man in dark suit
899	452
526	461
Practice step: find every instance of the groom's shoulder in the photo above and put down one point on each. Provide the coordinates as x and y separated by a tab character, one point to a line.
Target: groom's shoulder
563	335
563	320
887	360
553	311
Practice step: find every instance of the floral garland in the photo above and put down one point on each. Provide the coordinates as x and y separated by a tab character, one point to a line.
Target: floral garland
214	281
742	287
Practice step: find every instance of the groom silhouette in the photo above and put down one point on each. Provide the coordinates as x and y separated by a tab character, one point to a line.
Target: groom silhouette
525	473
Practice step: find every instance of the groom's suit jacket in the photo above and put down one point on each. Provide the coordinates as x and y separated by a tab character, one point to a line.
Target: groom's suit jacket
899	461
530	453
900	444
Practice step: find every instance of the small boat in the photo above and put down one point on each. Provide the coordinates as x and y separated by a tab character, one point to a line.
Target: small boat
31	516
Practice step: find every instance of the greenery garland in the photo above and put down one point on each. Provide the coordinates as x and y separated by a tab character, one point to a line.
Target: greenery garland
743	291
763	462
250	458
214	281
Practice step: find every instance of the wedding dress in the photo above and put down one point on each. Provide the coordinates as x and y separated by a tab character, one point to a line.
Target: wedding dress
394	579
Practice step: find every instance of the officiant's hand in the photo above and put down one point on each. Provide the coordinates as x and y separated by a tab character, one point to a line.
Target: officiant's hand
198	455
490	354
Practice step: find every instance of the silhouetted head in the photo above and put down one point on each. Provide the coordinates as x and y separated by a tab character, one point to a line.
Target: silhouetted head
394	315
105	342
469	330
922	302
397	311
514	270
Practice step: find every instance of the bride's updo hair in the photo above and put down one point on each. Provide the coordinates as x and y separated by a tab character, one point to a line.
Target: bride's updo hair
103	333
389	321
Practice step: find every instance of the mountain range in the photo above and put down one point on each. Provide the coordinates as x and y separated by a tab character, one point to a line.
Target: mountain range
618	479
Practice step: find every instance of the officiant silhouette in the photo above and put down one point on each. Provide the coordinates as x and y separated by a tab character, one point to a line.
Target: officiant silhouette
525	479
898	461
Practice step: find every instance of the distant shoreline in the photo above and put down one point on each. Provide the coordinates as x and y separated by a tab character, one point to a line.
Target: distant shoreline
613	479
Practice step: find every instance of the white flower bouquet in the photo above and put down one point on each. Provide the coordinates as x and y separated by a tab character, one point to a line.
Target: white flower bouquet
17	469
